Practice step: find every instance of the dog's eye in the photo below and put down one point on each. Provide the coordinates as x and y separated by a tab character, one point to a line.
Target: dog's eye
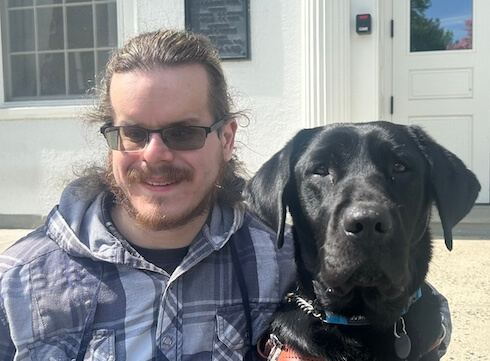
399	168
321	171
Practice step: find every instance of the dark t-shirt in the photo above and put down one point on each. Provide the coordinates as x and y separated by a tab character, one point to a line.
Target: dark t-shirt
167	259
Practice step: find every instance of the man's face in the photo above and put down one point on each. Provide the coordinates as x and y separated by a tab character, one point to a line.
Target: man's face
159	187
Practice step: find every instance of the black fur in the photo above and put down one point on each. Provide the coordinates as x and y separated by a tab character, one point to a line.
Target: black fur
360	198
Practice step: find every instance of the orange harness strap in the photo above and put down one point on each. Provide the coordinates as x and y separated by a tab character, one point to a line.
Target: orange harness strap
276	351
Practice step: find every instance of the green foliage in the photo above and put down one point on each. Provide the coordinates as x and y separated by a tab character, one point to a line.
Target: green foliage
427	33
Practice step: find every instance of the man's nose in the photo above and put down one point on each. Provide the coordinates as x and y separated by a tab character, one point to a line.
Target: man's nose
156	150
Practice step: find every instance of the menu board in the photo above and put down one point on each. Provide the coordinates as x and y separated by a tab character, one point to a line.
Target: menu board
224	22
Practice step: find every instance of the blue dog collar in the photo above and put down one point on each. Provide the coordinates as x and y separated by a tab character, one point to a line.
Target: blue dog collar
332	318
413	298
343	320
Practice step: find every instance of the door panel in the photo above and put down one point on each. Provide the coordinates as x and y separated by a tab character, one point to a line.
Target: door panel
441	76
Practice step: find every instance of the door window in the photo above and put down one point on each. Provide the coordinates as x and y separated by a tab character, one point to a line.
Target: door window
441	25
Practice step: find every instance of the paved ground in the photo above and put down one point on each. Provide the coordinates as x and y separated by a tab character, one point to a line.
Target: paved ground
462	275
7	236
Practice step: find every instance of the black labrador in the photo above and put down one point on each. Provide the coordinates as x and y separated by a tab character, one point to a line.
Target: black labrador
360	199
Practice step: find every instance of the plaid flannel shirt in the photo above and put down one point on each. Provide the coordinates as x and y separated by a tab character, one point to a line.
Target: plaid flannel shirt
56	278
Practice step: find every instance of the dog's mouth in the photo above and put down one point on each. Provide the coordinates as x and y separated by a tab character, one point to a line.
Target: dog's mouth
382	285
368	287
366	275
373	296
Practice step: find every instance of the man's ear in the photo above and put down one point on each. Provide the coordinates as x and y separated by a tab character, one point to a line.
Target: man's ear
228	132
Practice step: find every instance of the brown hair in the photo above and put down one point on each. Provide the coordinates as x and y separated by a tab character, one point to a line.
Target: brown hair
167	48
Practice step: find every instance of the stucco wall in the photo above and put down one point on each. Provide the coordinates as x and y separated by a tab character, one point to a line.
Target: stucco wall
38	157
40	149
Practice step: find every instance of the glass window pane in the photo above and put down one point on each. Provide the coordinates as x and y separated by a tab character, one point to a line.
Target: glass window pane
48	2
52	68
106	25
81	70
50	21
19	3
80	27
21	30
23	75
102	59
54	48
441	25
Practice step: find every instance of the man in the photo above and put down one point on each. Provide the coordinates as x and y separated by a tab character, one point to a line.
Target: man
155	257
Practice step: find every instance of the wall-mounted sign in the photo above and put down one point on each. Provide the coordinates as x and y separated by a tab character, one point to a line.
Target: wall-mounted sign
224	22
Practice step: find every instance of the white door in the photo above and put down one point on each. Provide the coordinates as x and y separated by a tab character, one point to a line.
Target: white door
441	78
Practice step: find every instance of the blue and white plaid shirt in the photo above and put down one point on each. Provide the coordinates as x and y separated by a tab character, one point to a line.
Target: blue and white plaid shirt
73	269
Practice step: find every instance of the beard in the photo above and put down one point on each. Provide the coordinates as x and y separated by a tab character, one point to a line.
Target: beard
158	220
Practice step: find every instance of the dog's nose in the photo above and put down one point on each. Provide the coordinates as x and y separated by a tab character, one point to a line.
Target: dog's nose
367	221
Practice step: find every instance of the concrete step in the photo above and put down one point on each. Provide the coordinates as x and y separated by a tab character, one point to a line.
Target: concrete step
476	225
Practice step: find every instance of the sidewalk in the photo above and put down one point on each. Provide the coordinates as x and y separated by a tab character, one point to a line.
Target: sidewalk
8	236
461	275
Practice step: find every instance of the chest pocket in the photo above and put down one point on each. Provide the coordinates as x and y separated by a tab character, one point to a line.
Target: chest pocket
232	340
56	348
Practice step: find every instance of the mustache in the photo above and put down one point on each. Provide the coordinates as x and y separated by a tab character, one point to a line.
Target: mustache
167	172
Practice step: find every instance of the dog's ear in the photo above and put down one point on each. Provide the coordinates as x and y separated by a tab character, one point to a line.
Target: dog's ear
270	190
454	186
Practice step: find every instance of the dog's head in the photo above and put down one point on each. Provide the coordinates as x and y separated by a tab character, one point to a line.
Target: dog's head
360	198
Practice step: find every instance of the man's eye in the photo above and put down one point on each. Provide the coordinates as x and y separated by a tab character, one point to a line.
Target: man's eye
133	134
180	133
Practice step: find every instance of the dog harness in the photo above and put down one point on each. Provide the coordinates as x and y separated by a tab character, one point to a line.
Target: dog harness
274	350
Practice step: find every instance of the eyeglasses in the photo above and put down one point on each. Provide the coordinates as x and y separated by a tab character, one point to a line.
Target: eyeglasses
133	139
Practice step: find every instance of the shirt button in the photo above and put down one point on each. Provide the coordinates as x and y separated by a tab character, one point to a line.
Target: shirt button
167	341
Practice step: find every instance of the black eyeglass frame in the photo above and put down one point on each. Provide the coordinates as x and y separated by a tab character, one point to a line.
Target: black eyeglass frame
109	128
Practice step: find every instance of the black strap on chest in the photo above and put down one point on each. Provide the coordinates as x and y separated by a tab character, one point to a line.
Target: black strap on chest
87	329
249	356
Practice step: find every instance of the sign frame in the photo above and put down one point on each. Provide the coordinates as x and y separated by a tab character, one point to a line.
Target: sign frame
227	27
